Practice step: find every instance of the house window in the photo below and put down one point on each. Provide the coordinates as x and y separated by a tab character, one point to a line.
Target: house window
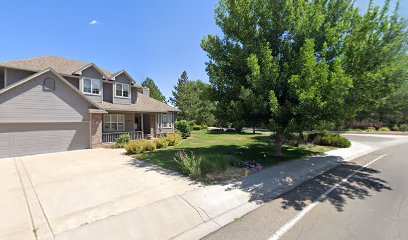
91	86
122	90
166	120
113	122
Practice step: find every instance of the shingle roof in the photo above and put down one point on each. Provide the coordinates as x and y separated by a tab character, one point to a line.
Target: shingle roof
59	64
143	104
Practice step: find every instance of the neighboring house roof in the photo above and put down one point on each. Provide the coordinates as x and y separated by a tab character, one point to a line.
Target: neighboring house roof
59	64
57	75
143	104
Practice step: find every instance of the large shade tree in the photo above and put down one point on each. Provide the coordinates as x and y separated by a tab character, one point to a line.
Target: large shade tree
294	63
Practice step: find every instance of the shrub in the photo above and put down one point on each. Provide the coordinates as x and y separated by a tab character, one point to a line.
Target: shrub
162	142
188	164
135	147
204	127
124	138
149	145
395	128
196	127
121	141
384	129
173	138
370	129
184	127
330	139
403	127
140	146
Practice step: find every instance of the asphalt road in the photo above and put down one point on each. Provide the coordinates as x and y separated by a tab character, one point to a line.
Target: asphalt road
371	204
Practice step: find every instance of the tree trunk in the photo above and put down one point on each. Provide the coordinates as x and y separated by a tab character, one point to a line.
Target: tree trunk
278	145
253	129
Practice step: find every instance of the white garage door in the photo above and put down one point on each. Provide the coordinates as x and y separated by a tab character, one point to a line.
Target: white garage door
35	138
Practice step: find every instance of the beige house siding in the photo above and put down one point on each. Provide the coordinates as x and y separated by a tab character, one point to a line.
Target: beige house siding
30	102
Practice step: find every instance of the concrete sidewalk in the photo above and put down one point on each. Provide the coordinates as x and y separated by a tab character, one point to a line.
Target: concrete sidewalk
200	211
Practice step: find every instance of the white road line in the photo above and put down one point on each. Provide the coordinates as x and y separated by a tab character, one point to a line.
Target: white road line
278	234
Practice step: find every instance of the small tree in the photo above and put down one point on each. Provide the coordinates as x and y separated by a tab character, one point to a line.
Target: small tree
184	127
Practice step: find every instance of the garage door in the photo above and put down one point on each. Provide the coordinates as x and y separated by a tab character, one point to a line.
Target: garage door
34	138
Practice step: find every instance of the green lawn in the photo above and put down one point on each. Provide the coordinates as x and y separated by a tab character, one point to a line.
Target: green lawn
248	147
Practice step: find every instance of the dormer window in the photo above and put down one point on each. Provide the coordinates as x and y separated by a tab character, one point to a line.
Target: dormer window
122	90
91	86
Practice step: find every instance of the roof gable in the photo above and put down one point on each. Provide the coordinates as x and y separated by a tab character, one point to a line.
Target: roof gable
123	72
49	70
91	65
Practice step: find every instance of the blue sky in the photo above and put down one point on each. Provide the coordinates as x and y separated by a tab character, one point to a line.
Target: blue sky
157	39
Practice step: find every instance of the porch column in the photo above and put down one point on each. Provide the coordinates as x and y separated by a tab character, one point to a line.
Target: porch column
96	130
141	122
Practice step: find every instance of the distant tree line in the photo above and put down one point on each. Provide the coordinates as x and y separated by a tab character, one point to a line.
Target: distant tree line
191	97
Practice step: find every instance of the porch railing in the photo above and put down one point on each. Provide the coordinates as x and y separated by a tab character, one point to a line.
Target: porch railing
111	137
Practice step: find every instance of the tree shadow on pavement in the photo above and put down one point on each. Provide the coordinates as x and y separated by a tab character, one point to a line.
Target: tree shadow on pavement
278	183
359	186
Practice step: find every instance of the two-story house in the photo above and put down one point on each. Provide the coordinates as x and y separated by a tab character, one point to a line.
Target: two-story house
52	104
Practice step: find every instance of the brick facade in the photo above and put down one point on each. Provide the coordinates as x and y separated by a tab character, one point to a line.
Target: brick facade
96	130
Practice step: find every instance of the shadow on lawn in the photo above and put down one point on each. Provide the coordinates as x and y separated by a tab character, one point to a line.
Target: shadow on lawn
265	187
261	151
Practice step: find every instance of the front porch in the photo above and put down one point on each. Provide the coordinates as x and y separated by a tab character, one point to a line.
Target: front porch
137	125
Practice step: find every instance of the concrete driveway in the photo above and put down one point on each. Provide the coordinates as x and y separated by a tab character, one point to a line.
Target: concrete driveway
44	195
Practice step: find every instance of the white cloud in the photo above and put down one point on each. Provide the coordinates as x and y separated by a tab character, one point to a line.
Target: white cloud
93	22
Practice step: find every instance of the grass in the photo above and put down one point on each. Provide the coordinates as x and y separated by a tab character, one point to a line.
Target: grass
247	147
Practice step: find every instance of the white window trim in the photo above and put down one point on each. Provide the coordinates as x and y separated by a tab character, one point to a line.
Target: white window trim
114	89
169	115
110	123
92	79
